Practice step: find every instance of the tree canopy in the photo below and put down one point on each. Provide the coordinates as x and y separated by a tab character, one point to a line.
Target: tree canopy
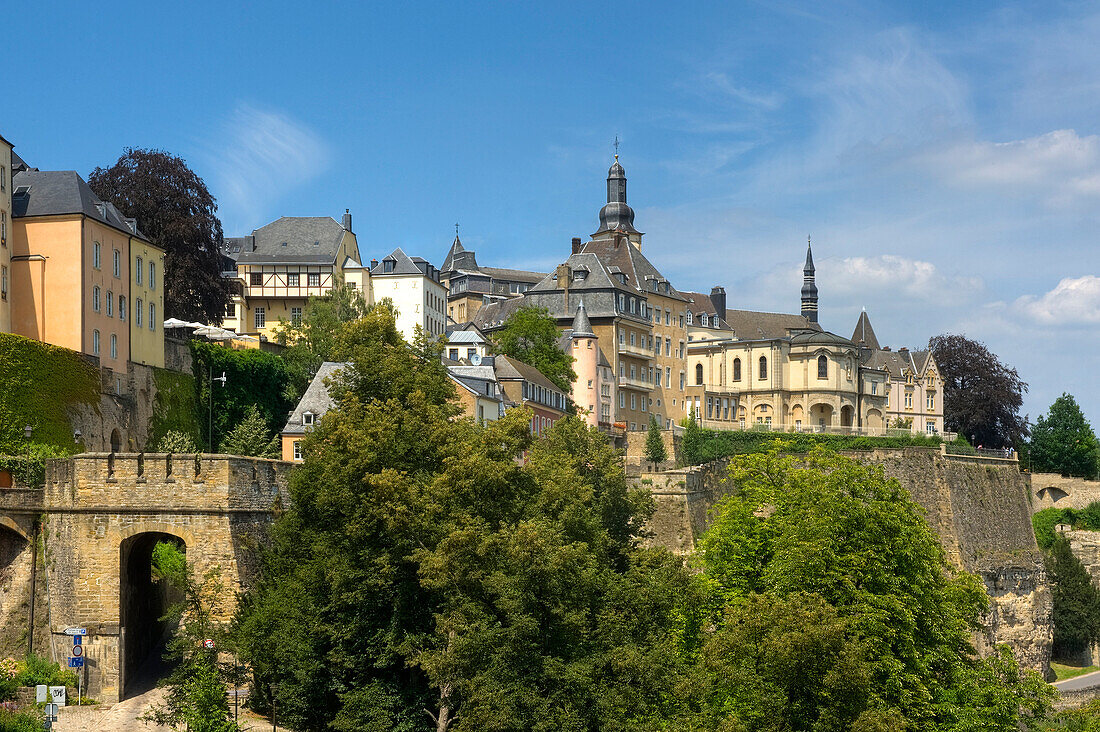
176	211
981	395
1062	441
531	335
1076	601
655	451
251	437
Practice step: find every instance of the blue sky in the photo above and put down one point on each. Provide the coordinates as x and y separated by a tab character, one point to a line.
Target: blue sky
945	157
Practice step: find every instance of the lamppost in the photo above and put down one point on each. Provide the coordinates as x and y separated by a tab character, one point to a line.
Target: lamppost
210	406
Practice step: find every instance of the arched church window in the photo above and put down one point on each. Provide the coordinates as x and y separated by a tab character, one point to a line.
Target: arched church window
698	373
736	369
763	367
822	367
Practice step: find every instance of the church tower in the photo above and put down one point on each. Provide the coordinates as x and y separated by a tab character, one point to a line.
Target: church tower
809	288
616	217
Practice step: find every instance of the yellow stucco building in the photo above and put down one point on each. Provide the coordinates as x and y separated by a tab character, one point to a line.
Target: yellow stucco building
5	234
72	276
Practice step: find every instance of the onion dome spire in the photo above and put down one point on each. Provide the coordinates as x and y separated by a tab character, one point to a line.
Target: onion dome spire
616	215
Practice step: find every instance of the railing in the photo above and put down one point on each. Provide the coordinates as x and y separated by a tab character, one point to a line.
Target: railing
635	383
635	350
718	424
1006	453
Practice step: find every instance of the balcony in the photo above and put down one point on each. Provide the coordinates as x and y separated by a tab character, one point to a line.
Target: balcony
636	351
630	383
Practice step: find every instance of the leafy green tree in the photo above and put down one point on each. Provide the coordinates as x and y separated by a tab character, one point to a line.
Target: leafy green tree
655	451
196	700
1062	441
825	541
424	571
176	211
981	395
692	444
251	437
1076	601
531	335
316	338
176	441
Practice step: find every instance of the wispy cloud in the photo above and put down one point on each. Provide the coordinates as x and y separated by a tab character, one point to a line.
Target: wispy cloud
257	157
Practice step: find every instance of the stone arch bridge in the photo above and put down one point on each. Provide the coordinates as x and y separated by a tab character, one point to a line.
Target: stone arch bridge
97	519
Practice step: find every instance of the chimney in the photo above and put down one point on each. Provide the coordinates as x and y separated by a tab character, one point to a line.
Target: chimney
373	264
347	220
576	245
565	279
718	297
903	349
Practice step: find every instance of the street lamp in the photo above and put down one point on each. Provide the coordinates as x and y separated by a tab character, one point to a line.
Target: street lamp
27	432
210	406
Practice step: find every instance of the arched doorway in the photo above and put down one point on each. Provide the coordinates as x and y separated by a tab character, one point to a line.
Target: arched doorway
874	420
143	601
116	440
846	416
15	572
821	416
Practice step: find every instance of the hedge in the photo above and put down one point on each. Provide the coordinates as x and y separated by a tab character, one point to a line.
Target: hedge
175	408
715	444
1077	518
39	385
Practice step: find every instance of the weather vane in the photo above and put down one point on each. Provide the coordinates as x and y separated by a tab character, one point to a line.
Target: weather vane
456	228
616	147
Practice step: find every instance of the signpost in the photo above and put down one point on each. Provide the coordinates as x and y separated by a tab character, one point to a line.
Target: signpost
76	659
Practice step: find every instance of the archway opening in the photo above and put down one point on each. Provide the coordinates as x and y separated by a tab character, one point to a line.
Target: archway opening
116	440
144	600
16	565
846	416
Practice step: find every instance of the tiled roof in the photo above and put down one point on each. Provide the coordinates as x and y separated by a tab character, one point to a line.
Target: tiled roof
294	239
629	259
56	192
750	325
403	265
316	399
509	369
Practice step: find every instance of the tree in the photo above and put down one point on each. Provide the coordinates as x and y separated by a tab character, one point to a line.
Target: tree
981	396
836	609
1062	441
317	337
176	441
176	211
251	437
425	572
531	335
691	447
1076	601
654	445
196	700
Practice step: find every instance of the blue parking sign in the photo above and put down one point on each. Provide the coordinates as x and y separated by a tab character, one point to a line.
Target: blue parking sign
76	662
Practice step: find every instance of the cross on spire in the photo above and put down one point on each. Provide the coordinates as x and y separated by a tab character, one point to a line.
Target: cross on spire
616	147
456	228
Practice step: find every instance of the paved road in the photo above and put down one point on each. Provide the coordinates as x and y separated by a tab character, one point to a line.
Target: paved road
1085	681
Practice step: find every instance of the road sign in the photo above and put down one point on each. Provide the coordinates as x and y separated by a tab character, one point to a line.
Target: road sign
57	695
76	631
208	643
76	662
78	650
41	694
51	711
78	640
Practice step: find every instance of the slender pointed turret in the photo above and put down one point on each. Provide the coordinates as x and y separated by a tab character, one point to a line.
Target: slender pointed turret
582	328
809	287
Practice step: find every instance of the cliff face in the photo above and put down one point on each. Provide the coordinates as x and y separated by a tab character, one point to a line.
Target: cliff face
980	511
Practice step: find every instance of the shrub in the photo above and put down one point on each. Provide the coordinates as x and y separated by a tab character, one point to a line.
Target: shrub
710	445
179	442
12	721
37	669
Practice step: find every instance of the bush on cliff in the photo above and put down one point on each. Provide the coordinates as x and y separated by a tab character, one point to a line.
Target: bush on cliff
707	445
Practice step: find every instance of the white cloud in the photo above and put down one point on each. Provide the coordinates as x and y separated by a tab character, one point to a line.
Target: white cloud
258	156
1061	166
1074	301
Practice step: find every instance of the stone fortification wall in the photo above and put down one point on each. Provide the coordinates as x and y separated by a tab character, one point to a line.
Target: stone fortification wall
635	451
980	511
1051	489
105	513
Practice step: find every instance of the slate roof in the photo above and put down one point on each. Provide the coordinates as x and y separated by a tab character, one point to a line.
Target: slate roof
316	399
511	275
510	369
629	259
864	333
751	325
698	303
57	192
465	336
475	379
292	240
19	164
403	265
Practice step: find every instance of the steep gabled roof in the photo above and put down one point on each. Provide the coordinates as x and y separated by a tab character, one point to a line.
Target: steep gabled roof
629	259
510	369
403	264
316	399
58	192
864	334
294	239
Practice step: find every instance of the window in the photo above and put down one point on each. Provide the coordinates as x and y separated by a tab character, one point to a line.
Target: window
689	317
255	279
259	318
644	400
622	302
3	228
471	352
292	279
710	407
231	310
110	304
930	427
736	369
622	400
874	388
138	266
703	320
122	308
3	178
307	419
930	401
633	371
668	377
297	450
114	346
632	339
3	283
633	401
681	381
725	409
822	367
137	313
152	276
763	367
295	316
668	317
95	342
313	279
452	353
633	306
908	398
152	316
95	254
118	263
95	298
698	373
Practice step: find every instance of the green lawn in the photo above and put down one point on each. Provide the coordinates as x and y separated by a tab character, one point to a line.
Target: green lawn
1068	672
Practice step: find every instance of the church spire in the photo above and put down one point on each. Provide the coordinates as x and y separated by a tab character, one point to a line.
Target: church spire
616	215
809	287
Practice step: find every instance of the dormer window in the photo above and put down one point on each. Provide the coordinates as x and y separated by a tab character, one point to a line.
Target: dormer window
703	321
307	419
387	265
689	317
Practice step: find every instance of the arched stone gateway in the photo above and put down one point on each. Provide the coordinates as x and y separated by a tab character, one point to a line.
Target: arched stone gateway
144	600
846	416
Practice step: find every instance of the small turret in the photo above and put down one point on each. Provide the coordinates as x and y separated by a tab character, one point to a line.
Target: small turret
809	287
582	328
